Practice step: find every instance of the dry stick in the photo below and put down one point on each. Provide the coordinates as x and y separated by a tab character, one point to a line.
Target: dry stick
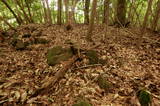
87	66
52	80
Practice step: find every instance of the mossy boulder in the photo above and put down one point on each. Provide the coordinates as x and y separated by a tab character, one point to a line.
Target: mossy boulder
57	54
144	97
92	56
82	103
18	44
103	83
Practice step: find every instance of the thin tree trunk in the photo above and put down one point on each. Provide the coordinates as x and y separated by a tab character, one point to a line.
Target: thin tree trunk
66	11
45	11
156	17
6	4
74	3
29	10
48	12
106	16
130	10
25	14
91	23
86	12
59	15
106	12
147	14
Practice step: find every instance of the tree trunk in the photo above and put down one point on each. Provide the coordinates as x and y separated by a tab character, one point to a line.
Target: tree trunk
86	12
74	3
6	4
147	14
106	12
91	23
156	17
66	11
121	12
106	17
59	14
48	12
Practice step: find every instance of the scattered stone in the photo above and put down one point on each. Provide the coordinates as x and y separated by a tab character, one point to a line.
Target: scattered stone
103	83
20	45
92	56
40	41
144	97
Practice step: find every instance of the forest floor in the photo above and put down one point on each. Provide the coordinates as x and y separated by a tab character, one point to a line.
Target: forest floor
128	67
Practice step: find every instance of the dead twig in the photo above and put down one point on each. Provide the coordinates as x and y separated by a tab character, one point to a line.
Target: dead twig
87	66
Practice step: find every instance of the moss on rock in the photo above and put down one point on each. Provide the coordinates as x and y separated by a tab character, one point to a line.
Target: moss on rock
92	56
144	97
103	83
57	54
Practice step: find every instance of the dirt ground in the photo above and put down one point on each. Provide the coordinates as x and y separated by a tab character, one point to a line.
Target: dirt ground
129	66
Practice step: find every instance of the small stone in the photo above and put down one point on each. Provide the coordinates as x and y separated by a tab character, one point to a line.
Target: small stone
20	45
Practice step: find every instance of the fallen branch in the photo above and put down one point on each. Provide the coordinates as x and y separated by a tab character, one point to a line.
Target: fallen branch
52	80
87	66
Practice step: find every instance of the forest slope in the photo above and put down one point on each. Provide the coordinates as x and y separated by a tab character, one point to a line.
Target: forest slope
128	67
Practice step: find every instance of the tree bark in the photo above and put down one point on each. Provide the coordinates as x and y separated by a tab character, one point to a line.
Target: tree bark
121	12
86	12
106	12
48	13
156	17
91	23
59	15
